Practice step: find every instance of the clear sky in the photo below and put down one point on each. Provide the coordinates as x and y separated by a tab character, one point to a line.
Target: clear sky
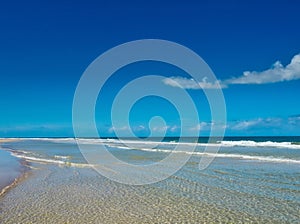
252	47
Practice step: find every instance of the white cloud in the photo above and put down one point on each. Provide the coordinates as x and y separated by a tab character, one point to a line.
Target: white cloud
242	125
174	128
122	128
186	83
256	126
207	126
294	120
41	127
200	126
140	128
273	122
277	73
161	129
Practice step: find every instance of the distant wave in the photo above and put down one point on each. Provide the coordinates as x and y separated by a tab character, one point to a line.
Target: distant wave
217	155
285	145
242	143
147	146
289	145
220	155
108	141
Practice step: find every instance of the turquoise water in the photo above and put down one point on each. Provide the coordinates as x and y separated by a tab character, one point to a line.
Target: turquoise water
250	180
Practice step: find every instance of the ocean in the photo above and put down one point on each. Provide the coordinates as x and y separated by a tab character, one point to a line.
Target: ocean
250	180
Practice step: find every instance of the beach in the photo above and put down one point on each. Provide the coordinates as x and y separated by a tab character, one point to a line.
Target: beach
12	170
251	188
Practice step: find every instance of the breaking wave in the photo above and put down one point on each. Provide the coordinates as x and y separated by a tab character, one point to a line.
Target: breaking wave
241	143
219	155
62	161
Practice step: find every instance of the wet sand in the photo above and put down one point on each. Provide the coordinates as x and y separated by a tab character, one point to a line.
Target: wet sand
4	140
11	170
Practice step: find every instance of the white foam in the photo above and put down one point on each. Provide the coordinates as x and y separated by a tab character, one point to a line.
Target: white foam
288	145
109	141
285	145
51	161
62	157
248	157
154	146
221	155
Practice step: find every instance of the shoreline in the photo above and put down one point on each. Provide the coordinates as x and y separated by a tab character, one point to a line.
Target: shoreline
4	140
20	170
54	188
17	180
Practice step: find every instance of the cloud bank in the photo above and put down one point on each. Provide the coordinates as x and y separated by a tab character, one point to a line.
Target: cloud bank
277	73
257	126
186	83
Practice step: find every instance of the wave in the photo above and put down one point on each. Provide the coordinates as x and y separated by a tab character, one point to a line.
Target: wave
51	161
109	141
144	146
155	146
220	155
216	155
62	157
242	143
289	145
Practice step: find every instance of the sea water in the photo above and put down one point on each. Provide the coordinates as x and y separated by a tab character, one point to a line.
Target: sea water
11	169
250	180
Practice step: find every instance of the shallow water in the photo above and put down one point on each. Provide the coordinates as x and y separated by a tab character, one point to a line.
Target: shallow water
10	169
231	190
74	195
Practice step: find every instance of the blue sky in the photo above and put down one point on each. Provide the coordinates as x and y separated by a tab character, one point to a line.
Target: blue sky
45	46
